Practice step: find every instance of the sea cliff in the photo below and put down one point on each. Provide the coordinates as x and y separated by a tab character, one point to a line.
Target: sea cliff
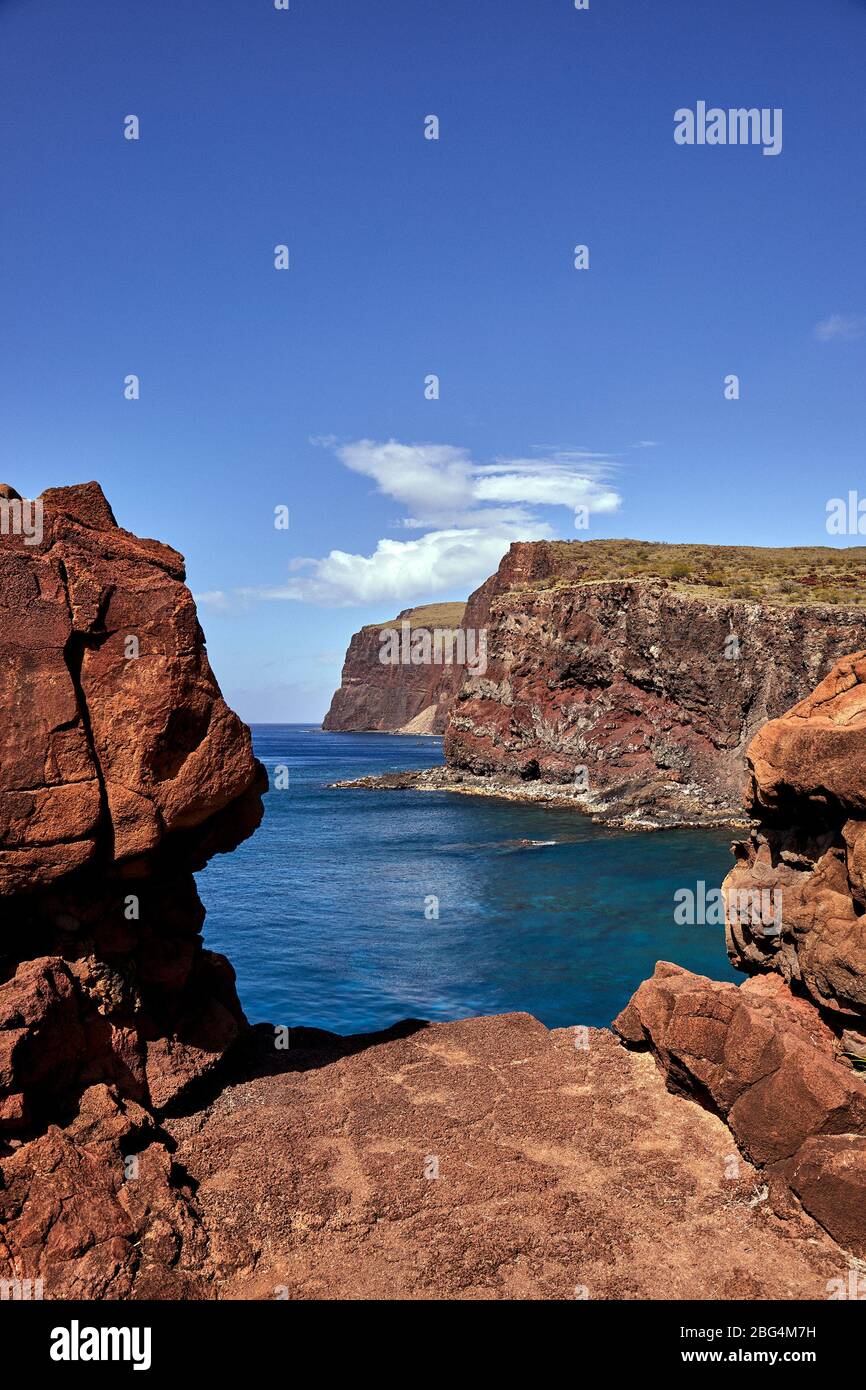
629	679
400	696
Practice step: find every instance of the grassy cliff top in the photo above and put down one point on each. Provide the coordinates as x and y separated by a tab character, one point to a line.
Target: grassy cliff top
442	615
788	575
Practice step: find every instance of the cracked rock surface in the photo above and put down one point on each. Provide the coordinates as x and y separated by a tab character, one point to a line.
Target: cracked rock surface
113	731
564	1172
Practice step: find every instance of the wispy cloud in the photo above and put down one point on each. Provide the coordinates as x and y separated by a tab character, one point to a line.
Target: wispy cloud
840	326
218	601
440	485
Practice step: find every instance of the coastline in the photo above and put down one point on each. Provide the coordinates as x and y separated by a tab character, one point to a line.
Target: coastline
645	807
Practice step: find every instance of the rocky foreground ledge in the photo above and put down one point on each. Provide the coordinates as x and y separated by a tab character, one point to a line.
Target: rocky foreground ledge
153	1145
485	1159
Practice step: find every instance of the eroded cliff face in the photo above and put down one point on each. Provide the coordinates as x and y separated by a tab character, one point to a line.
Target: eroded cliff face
401	696
640	695
122	770
783	1057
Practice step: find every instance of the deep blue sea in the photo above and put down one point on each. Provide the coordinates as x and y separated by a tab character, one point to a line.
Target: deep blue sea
322	911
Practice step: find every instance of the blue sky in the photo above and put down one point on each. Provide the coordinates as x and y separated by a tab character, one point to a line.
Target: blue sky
305	388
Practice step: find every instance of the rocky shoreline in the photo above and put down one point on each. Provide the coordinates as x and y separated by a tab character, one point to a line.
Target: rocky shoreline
634	805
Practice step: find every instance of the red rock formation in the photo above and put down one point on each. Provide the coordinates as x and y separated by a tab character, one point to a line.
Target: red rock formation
783	1057
633	680
807	786
114	732
818	750
121	771
402	698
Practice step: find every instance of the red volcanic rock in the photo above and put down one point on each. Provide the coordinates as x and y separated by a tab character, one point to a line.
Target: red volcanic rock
817	750
807	774
42	1038
780	1057
398	698
113	730
821	941
767	1062
765	1058
122	770
313	1174
96	1210
484	1159
827	1176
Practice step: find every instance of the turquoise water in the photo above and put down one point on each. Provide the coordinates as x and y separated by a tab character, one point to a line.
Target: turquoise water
322	912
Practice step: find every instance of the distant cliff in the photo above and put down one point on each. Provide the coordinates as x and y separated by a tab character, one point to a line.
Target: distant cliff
647	690
625	676
398	697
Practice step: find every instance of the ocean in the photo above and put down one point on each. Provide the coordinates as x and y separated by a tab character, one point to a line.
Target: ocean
351	909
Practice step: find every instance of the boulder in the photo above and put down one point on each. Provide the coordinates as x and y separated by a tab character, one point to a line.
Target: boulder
113	731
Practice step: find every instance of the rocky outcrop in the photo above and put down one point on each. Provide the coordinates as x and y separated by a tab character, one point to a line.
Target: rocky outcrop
783	1057
637	696
485	1159
122	770
400	697
805	859
765	1060
114	733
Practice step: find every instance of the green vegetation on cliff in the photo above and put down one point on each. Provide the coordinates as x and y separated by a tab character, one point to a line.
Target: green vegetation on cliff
441	615
789	575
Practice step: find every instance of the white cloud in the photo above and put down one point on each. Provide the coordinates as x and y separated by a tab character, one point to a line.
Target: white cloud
218	601
402	571
441	485
469	514
840	326
545	483
433	480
